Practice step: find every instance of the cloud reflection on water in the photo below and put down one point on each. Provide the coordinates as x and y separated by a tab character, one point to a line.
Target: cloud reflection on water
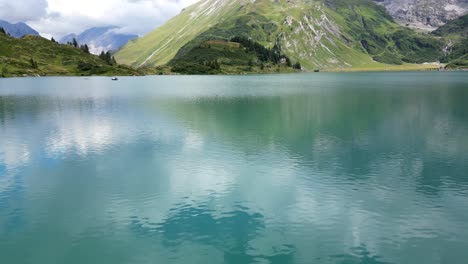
343	175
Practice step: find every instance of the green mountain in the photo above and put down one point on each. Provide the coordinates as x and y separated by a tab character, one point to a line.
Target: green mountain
34	55
456	32
320	34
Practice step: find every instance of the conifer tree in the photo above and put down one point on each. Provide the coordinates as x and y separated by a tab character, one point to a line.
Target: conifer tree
107	57
74	43
85	48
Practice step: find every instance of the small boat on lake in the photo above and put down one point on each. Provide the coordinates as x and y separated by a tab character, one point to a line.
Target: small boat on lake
114	79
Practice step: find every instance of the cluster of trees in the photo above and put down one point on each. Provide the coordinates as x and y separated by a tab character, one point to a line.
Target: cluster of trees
75	44
214	65
195	68
107	57
84	48
264	54
297	66
273	55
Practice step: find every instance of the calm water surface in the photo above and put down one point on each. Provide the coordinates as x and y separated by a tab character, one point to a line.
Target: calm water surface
319	168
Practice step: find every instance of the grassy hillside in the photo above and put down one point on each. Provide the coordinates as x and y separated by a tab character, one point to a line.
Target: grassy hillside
457	27
239	55
369	26
161	45
32	55
456	32
325	34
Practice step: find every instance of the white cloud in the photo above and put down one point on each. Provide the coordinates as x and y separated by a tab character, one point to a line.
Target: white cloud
22	10
60	17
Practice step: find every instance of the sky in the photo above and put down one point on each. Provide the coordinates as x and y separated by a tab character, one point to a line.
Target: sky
61	17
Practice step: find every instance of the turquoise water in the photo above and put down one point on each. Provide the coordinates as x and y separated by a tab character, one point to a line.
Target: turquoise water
319	168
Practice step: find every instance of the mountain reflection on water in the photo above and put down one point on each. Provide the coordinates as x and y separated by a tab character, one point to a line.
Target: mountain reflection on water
326	168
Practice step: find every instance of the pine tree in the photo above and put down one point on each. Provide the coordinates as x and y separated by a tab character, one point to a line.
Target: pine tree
85	48
53	40
107	57
2	31
75	43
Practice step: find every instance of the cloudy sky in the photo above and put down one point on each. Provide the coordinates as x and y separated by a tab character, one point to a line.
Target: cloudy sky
60	17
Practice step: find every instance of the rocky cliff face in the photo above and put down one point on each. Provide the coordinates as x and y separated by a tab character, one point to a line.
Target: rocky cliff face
425	14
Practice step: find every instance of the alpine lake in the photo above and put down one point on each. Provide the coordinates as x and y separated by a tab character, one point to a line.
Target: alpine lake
364	168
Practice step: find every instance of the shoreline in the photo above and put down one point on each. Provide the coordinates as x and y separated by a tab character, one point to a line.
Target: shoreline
391	68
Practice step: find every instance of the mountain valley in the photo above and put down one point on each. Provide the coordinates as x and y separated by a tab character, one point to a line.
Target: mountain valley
326	34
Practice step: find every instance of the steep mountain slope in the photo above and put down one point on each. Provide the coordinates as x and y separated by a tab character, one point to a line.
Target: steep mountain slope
101	39
305	31
425	14
18	30
318	34
32	55
456	32
457	27
161	45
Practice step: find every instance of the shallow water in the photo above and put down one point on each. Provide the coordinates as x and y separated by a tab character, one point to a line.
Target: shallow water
308	168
